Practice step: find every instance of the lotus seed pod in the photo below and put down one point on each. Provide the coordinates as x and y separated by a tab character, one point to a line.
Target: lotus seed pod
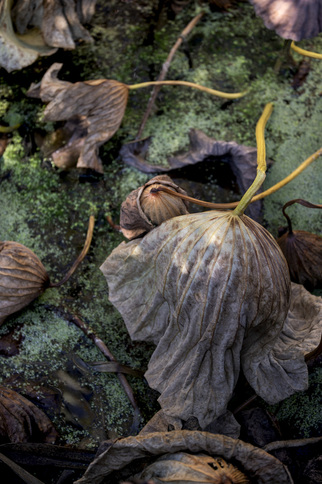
22	278
145	208
186	468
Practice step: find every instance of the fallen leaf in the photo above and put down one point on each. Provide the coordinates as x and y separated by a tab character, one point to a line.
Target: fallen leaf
16	50
22	421
100	104
212	292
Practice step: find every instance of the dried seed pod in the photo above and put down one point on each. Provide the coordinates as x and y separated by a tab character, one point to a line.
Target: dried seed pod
22	278
187	468
303	251
146	208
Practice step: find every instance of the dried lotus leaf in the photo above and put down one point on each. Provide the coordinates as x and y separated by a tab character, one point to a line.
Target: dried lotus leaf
144	209
100	103
303	252
22	278
198	286
185	468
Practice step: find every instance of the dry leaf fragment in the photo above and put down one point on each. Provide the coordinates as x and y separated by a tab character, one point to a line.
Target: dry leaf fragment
261	467
22	421
99	103
143	209
22	278
42	26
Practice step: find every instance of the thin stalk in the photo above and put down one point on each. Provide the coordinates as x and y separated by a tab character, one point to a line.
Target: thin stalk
307	53
81	255
226	95
261	161
9	129
269	191
283	444
99	343
165	68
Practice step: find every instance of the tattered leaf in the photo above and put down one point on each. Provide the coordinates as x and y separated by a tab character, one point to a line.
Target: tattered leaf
22	421
22	278
241	159
212	291
99	103
261	467
16	50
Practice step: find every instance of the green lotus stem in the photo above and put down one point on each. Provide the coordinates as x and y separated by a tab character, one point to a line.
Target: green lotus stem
9	129
226	95
307	53
261	161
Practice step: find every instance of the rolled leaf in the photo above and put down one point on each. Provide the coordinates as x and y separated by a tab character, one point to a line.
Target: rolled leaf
22	278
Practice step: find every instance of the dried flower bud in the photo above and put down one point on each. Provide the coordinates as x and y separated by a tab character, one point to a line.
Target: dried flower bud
145	208
303	252
22	278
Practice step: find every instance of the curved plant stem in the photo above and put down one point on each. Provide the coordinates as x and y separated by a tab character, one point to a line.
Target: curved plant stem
9	129
269	191
305	203
305	52
226	95
81	255
99	343
165	68
261	161
282	444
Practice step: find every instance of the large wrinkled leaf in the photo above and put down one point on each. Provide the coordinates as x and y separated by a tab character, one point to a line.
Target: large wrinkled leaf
22	278
212	290
261	467
241	159
22	421
100	104
291	19
16	50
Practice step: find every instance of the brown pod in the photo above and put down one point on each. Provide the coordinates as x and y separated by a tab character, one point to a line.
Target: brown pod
302	250
146	207
22	278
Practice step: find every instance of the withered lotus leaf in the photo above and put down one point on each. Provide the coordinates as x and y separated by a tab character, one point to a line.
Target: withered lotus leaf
261	467
99	103
212	292
22	278
144	209
22	421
